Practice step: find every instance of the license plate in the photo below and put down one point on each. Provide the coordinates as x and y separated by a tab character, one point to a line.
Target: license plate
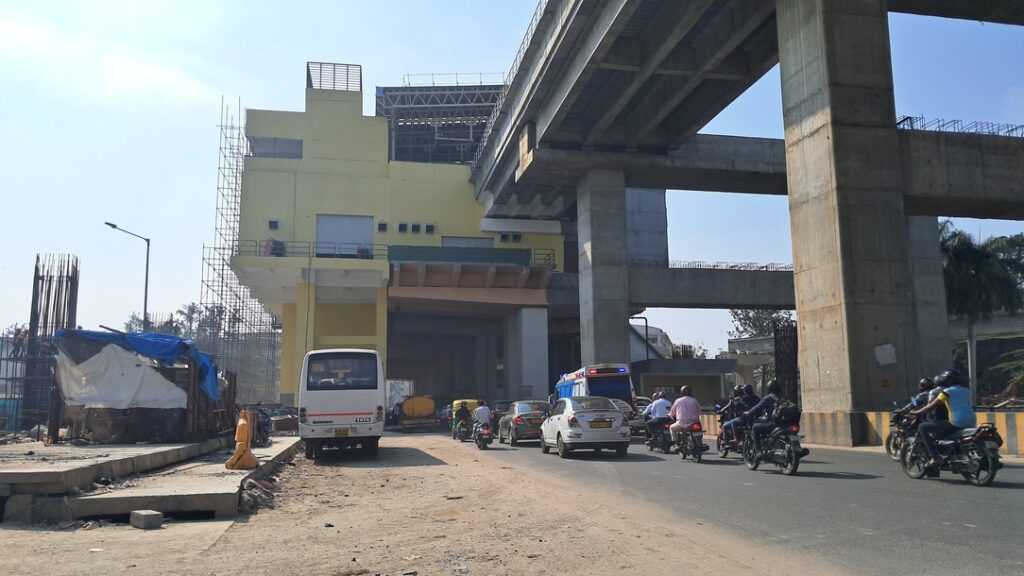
989	445
601	424
537	421
340	432
795	440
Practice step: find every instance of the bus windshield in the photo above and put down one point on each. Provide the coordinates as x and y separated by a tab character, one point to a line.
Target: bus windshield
614	386
342	371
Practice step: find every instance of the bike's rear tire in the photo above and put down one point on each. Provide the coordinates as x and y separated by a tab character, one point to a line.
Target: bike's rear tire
987	466
893	444
913	460
720	446
792	463
697	451
749	458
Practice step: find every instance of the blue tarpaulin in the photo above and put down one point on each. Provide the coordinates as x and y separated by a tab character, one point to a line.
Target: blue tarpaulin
162	347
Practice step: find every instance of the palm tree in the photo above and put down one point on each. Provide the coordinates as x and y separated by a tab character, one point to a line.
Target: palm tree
978	283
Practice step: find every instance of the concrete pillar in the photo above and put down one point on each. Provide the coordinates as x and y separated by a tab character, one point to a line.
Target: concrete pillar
305	321
526	353
604	272
929	296
855	297
646	226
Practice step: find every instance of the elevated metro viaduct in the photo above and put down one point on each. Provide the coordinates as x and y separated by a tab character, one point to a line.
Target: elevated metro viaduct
605	95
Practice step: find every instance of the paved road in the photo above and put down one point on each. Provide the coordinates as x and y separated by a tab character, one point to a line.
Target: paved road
857	509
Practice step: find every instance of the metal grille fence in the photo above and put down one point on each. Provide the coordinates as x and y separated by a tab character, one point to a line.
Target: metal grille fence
329	76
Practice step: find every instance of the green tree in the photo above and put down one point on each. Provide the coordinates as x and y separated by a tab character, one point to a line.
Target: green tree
978	283
753	323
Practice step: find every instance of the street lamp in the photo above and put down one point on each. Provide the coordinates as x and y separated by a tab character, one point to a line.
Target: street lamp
145	294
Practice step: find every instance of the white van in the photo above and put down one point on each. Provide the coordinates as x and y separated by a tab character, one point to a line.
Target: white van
341	400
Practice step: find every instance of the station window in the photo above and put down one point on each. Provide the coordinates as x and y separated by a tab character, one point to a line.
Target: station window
261	147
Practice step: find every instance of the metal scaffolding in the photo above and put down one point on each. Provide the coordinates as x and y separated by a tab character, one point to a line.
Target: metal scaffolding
437	118
242	337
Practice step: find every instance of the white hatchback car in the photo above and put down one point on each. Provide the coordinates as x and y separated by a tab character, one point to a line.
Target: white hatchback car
585	423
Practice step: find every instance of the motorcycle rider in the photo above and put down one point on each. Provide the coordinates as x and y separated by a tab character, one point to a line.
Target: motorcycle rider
481	416
656	414
461	415
762	411
746	401
686	412
956	399
922	397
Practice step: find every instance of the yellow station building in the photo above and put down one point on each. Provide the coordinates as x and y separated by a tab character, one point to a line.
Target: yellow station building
350	247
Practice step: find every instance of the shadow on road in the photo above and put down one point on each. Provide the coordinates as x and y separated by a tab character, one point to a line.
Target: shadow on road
387	457
630	457
836	475
717	461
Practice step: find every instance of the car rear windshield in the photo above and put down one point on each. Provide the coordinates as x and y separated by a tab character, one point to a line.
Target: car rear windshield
342	371
595	403
527	407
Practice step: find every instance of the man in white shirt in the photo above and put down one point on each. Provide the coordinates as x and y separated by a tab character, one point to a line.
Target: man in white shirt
482	414
656	413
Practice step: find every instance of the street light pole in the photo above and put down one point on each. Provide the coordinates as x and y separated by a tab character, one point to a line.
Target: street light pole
145	293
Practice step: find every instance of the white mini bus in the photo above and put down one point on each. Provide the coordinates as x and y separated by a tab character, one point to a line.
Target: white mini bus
341	400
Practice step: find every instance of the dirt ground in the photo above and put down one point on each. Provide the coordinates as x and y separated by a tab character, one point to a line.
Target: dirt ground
424	506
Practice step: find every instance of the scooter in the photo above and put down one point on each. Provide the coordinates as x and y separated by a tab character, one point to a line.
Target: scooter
461	431
482	436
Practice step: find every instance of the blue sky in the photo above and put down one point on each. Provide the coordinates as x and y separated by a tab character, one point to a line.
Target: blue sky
110	109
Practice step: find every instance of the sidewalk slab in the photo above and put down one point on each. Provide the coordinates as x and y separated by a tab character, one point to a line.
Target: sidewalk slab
201	487
34	468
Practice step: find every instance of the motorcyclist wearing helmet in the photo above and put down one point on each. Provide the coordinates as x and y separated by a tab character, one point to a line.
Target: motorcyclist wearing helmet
656	413
461	415
746	401
921	398
762	412
956	399
685	411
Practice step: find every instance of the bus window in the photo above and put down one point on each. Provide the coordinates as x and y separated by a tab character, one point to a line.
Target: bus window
342	371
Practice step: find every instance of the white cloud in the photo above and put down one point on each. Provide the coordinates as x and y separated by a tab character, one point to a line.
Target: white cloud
85	65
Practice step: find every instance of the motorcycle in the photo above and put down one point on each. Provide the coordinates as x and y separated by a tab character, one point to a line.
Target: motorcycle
461	431
691	442
901	426
661	439
781	447
482	436
972	452
262	428
723	445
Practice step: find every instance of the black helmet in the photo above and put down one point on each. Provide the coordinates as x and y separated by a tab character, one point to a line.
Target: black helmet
925	384
748	389
737	390
773	387
948	378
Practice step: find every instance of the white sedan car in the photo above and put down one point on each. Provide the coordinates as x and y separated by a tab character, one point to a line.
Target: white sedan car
585	423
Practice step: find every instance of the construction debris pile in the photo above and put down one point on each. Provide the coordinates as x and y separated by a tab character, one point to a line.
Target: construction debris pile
1010	397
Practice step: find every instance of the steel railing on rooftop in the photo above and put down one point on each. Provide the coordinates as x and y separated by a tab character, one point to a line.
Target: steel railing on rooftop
330	76
975	127
710	265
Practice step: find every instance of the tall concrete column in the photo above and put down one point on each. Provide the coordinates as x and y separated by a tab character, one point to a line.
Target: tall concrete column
646	226
604	267
929	296
526	353
855	297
